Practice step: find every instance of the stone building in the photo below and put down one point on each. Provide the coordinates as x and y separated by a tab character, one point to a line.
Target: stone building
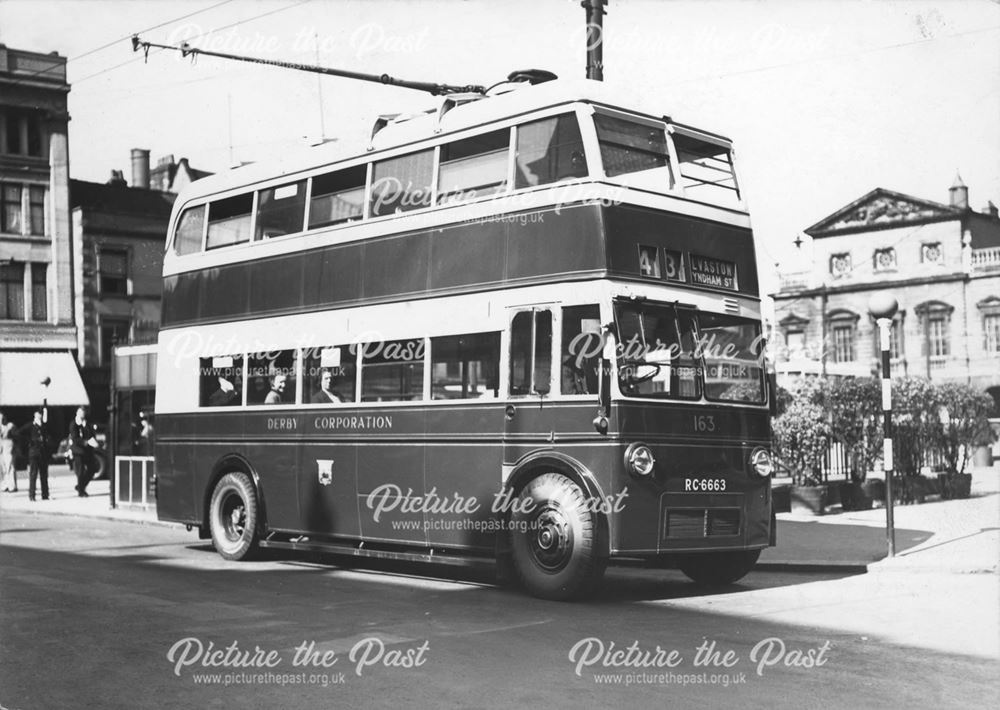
119	233
940	261
37	327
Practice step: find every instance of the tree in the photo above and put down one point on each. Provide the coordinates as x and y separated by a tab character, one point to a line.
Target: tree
962	423
855	406
914	420
802	432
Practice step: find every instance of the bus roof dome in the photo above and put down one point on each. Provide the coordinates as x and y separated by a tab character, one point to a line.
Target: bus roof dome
447	114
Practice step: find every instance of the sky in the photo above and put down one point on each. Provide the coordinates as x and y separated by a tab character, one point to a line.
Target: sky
825	100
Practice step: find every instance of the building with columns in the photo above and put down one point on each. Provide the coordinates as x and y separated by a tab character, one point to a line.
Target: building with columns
942	263
37	326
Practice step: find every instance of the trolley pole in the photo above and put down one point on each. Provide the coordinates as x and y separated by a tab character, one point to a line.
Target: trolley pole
883	307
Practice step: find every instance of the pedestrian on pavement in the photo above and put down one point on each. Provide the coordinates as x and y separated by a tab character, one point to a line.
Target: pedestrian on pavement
8	476
36	435
82	442
146	440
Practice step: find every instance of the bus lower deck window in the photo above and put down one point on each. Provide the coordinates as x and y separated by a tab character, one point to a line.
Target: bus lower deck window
465	366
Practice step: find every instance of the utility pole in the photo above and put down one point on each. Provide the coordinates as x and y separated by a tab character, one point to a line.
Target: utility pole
595	38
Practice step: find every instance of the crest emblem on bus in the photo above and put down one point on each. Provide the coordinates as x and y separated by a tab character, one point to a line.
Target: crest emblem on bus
325	467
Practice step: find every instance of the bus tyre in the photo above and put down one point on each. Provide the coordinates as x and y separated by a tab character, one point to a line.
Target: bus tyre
554	539
718	568
233	517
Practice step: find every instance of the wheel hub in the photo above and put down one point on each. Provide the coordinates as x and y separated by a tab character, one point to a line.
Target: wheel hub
553	539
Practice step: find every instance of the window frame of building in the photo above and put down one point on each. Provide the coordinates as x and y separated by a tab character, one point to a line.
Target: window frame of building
840	265
793	325
884	260
36	210
39	292
105	253
842	334
989	313
11	206
12	291
926	248
935	322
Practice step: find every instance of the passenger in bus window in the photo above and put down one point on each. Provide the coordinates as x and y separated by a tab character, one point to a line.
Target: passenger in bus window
325	394
224	396
278	384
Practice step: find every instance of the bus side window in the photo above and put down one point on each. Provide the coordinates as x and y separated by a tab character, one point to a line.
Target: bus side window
338	197
281	210
474	167
328	375
221	381
190	230
581	349
549	150
392	371
531	353
272	378
402	184
465	366
229	221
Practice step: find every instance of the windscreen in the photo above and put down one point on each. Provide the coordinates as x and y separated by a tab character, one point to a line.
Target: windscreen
669	352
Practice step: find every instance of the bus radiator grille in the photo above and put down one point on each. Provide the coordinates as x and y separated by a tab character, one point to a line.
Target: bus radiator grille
701	522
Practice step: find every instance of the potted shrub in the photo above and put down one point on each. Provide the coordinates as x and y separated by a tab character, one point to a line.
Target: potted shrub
855	406
963	425
800	436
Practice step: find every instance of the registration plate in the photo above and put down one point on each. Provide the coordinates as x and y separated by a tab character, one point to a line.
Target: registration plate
705	485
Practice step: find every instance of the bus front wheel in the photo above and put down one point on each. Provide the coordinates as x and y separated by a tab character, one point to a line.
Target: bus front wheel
718	568
233	517
554	539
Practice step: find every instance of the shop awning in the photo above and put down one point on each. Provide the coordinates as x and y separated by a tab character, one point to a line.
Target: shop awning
21	375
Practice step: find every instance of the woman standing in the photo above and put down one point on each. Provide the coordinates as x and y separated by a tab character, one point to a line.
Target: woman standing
8	476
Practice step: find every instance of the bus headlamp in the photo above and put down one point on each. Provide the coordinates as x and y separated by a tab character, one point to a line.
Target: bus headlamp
639	460
761	462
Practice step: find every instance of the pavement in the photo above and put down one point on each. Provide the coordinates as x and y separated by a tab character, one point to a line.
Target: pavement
947	536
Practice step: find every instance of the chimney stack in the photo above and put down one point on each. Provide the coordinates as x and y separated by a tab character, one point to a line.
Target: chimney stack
991	210
140	168
959	194
116	178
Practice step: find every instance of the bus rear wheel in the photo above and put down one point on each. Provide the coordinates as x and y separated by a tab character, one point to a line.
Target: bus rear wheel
718	568
233	517
554	539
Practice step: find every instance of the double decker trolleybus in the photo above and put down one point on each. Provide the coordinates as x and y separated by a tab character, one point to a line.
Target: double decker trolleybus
524	326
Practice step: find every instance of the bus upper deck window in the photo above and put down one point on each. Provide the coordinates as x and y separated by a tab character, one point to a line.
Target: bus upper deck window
338	197
474	167
706	169
190	230
402	184
549	150
281	210
630	146
229	221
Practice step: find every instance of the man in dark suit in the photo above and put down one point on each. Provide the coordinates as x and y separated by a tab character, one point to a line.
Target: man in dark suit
82	442
36	436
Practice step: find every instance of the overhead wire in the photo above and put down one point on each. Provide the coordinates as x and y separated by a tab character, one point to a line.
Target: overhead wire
112	43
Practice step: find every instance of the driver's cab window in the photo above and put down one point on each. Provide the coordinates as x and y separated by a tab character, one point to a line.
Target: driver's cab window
580	354
531	353
657	352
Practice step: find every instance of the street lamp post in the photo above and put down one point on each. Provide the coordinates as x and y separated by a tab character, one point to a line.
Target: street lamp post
45	399
883	307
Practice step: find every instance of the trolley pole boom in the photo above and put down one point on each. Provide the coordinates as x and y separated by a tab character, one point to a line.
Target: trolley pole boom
435	89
